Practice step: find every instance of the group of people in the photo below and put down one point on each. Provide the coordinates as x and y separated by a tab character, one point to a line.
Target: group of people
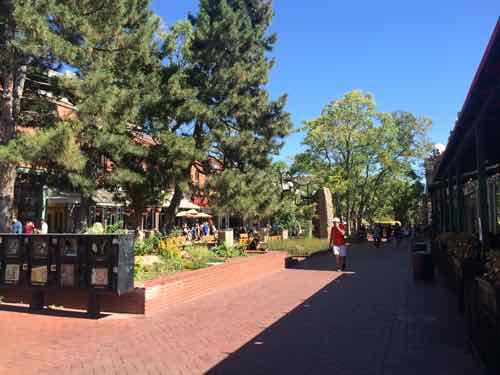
29	227
197	231
338	239
389	232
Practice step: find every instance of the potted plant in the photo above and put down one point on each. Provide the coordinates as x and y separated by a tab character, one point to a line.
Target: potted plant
484	320
489	284
465	264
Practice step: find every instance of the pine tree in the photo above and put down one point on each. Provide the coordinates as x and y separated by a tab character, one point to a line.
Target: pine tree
221	85
110	47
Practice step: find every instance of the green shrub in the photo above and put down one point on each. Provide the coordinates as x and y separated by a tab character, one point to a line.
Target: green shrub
175	232
300	247
169	249
194	265
96	228
116	228
225	251
148	246
202	254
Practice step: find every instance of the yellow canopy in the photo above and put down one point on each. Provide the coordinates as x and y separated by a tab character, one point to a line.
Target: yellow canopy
388	222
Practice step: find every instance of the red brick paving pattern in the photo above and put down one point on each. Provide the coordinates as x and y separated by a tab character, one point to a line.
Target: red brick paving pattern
302	321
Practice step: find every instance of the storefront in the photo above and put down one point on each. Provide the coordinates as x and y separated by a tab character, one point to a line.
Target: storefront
463	188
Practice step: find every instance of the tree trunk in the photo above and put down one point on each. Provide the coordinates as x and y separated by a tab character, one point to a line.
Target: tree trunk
82	222
172	209
7	132
137	218
12	86
7	181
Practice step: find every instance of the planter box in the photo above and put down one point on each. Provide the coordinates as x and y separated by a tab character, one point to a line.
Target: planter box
294	260
171	290
484	328
488	297
463	272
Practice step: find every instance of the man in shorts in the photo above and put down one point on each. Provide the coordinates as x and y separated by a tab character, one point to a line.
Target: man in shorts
338	244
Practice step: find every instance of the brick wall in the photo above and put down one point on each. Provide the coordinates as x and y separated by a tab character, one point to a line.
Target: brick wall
164	292
132	303
167	291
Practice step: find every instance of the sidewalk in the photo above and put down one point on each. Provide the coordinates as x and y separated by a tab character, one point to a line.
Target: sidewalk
373	320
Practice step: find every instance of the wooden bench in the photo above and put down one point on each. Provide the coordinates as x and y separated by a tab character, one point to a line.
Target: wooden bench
275	238
210	240
244	239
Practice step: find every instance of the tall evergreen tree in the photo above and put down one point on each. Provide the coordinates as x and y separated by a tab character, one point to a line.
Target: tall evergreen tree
221	84
110	47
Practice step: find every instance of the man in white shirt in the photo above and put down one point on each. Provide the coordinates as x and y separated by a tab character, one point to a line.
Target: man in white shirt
44	227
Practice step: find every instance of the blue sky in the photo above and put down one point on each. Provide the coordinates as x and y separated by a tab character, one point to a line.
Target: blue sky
416	56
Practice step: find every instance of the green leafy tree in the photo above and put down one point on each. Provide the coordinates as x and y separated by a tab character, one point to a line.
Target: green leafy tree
355	150
110	48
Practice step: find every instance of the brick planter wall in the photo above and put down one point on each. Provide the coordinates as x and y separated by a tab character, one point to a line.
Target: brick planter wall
131	303
170	290
167	291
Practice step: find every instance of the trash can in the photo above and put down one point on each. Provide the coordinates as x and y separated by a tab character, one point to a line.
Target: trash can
423	266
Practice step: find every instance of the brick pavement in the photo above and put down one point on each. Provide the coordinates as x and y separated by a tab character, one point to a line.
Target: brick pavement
375	320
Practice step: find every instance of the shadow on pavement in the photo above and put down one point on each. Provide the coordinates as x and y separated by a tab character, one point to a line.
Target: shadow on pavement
322	261
286	346
374	320
50	312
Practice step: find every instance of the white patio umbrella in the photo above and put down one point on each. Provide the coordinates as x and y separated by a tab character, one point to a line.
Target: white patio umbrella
188	213
202	215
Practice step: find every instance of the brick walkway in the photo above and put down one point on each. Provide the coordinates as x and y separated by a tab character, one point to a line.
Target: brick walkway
375	320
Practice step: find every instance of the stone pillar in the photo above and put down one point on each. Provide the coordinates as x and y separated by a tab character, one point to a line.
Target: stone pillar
226	237
284	234
264	234
325	212
156	220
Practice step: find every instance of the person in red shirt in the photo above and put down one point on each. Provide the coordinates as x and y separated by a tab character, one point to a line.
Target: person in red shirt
338	244
29	227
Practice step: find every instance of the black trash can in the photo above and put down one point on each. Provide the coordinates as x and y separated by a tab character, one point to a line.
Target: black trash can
423	266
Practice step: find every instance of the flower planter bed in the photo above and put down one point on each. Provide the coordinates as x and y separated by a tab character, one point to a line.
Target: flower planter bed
463	271
167	291
170	290
482	302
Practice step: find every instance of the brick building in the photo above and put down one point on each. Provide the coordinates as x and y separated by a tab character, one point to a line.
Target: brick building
34	200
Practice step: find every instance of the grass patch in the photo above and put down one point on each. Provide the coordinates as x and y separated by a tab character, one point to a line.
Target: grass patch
299	247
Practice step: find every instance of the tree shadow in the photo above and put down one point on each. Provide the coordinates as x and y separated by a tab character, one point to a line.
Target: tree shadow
322	261
375	320
289	345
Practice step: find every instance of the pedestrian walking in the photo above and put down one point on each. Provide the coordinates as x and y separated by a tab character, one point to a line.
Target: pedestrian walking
338	243
377	235
397	235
